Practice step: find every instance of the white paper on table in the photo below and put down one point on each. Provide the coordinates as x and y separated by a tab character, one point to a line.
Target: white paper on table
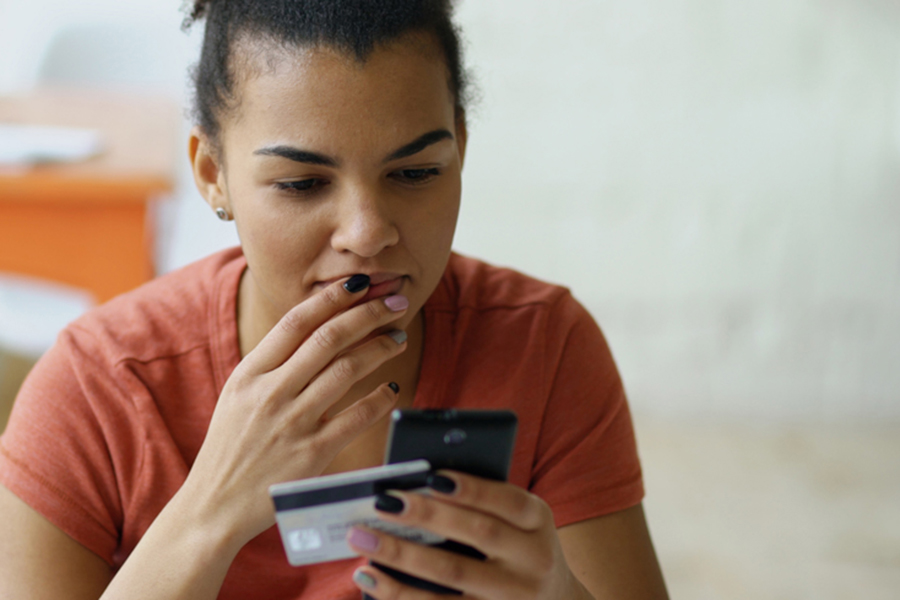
30	144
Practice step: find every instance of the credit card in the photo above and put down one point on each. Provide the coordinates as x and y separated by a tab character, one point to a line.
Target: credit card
314	515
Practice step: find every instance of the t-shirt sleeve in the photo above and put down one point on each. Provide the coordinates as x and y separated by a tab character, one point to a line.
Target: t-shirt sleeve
586	462
54	453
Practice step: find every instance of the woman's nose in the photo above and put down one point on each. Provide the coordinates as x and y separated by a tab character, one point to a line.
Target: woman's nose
364	226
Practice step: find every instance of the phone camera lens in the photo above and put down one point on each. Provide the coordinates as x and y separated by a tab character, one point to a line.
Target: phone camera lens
454	437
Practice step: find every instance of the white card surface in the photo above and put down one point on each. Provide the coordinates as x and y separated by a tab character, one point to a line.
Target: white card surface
314	515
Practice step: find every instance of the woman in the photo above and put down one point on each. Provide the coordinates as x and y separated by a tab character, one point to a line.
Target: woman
138	456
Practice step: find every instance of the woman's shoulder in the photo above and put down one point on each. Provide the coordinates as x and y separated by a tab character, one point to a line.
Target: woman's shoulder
167	315
472	284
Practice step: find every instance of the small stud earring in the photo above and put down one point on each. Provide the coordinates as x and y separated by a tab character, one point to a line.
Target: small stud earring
223	214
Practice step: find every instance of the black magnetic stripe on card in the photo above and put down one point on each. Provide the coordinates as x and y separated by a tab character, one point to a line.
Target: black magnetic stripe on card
323	496
352	491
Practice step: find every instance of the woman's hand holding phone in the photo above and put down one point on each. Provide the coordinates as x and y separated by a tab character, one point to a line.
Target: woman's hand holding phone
512	527
271	424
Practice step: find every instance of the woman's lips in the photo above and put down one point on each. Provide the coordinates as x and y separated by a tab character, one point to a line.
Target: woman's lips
385	288
382	284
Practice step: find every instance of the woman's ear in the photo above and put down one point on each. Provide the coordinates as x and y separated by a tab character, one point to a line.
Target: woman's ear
208	173
462	136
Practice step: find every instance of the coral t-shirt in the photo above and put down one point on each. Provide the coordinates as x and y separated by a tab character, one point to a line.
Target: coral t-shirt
107	425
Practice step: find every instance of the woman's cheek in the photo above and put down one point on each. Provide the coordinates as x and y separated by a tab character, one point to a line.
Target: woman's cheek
280	247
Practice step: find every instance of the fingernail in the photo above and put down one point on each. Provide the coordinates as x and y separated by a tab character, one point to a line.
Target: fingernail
357	283
397	303
363	539
389	504
393	385
441	484
398	335
364	580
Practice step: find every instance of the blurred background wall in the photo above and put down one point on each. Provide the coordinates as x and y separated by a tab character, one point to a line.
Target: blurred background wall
719	183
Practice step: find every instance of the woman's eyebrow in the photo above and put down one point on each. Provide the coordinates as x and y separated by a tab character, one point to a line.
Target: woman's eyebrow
314	158
419	144
298	155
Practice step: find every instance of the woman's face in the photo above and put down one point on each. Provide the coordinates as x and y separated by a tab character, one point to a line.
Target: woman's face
332	167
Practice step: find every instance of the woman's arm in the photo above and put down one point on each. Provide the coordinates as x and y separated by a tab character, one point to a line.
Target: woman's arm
613	556
270	425
38	561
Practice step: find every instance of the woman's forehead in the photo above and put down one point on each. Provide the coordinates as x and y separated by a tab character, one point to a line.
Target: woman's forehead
326	96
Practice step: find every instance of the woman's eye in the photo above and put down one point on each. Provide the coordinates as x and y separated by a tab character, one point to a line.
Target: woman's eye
304	185
416	176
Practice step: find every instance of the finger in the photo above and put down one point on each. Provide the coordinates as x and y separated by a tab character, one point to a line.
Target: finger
506	501
337	335
335	380
491	535
449	569
382	586
361	415
299	322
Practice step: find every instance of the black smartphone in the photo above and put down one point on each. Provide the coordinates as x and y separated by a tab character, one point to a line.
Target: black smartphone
478	442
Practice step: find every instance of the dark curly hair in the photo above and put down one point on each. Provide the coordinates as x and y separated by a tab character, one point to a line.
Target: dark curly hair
354	26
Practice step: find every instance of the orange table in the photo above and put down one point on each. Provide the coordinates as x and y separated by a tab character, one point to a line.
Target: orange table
87	224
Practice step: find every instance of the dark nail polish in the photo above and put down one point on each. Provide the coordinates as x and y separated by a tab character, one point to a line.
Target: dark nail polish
357	283
441	484
389	504
394	387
